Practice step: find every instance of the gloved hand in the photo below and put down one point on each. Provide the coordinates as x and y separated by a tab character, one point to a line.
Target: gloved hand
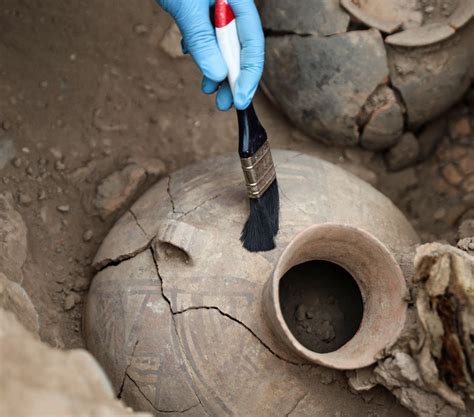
199	39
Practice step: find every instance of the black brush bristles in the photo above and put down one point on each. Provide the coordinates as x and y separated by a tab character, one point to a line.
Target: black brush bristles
262	224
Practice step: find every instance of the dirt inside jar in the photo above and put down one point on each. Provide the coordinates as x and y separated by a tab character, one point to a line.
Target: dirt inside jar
321	304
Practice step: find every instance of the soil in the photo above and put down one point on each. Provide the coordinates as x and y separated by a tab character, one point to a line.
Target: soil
86	86
321	304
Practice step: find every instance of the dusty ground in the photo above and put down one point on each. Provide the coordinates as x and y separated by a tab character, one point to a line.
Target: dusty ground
85	85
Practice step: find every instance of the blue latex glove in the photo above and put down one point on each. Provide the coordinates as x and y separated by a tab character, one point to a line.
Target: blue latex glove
199	39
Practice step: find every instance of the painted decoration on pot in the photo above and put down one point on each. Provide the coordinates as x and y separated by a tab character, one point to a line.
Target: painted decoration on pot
362	72
186	321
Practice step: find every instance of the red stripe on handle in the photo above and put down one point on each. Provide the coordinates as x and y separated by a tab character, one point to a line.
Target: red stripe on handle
224	14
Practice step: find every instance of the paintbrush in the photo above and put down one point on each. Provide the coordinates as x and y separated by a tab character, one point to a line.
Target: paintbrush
260	177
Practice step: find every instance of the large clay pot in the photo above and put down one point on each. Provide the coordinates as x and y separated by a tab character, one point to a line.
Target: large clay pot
176	314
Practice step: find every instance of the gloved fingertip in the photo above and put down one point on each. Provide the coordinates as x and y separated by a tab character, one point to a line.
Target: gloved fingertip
208	86
224	98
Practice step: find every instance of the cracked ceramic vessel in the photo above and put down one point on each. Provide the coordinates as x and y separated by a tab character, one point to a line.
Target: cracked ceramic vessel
401	64
176	313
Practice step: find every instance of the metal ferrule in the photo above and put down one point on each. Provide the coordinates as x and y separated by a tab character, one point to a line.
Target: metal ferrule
259	171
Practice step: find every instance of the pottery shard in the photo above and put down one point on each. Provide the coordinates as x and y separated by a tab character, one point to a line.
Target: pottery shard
322	83
15	299
385	123
430	89
13	241
403	154
322	17
39	380
118	189
421	36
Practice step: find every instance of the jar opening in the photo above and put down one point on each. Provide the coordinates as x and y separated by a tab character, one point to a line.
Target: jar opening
321	304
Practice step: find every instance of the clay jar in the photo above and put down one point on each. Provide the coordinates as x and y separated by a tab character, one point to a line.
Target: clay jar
348	72
176	313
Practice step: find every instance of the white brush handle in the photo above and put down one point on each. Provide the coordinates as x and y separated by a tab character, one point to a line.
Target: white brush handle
228	41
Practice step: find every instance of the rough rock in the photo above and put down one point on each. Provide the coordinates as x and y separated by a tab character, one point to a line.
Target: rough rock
7	151
325	103
41	381
467	245
460	128
15	299
320	17
452	174
429	368
384	124
87	235
171	42
13	240
466	229
403	154
118	189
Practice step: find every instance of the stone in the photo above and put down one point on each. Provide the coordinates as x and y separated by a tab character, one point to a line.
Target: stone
354	64
7	151
69	302
451	153
59	166
17	162
385	123
171	42
64	208
15	299
118	189
362	379
24	199
468	184
39	380
466	164
140	29
452	174
403	154
320	17
57	154
467	244
13	240
460	128
81	284
466	229
87	235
